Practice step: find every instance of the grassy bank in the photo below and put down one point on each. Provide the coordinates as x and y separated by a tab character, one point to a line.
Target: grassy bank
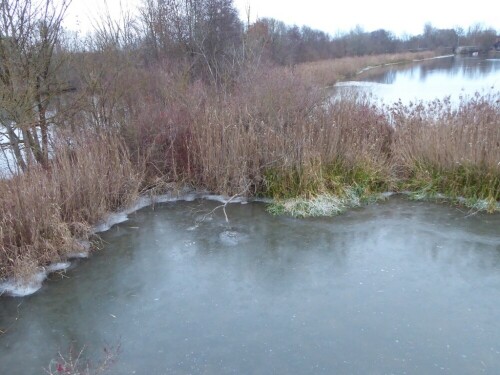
437	151
451	151
328	72
270	133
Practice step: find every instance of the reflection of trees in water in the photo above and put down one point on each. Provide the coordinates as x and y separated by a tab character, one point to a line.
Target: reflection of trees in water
470	68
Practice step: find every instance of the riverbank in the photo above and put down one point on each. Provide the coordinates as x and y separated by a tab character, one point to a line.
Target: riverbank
324	205
46	216
273	135
329	72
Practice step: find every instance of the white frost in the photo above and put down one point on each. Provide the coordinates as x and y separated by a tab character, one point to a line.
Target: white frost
23	288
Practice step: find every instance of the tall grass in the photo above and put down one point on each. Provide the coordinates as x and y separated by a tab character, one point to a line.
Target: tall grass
280	137
452	149
275	134
44	214
328	72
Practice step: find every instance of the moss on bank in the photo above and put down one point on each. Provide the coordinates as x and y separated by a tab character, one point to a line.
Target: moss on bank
332	189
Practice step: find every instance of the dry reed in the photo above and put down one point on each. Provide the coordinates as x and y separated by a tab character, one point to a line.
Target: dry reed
44	214
448	148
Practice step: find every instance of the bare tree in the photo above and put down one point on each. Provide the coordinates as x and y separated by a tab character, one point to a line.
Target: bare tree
29	67
110	32
205	33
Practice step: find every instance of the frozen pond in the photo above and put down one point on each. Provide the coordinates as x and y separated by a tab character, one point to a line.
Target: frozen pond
397	287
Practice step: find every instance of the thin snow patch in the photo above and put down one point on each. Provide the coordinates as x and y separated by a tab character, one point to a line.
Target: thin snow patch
56	267
80	255
83	253
358	84
23	288
16	288
167	198
387	194
434	58
263	200
142	202
223	199
111	220
369	67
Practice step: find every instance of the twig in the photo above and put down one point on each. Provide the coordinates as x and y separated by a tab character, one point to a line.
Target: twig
223	206
5	330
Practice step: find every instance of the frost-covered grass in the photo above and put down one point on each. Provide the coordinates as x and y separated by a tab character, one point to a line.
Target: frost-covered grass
474	204
322	205
326	205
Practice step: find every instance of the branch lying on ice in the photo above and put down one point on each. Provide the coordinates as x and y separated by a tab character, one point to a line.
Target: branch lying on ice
223	206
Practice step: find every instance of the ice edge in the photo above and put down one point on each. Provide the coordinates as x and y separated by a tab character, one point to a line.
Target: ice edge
15	288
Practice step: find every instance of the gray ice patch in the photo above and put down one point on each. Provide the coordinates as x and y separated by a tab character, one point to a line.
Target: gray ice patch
232	238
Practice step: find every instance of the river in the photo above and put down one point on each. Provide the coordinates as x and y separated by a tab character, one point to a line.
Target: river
396	287
453	76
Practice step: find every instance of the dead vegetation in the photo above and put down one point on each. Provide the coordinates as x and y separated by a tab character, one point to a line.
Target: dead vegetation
210	112
45	212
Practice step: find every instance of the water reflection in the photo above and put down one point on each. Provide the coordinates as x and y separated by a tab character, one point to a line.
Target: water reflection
432	79
471	68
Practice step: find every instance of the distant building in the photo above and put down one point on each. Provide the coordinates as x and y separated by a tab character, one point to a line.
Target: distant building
497	44
467	50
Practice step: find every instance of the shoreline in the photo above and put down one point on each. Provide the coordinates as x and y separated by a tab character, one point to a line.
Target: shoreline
368	68
323	205
17	288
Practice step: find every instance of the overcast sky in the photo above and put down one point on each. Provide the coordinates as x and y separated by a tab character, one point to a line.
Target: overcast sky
397	16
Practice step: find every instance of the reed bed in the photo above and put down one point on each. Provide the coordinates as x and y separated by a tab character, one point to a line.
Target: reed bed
443	148
44	214
280	138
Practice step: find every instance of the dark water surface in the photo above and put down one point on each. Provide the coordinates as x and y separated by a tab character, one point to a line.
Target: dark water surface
453	76
399	287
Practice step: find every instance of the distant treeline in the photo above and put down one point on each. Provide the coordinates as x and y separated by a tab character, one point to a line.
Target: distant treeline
210	34
207	28
291	44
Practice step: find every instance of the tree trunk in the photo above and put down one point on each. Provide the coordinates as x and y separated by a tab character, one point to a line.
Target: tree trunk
14	144
44	130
